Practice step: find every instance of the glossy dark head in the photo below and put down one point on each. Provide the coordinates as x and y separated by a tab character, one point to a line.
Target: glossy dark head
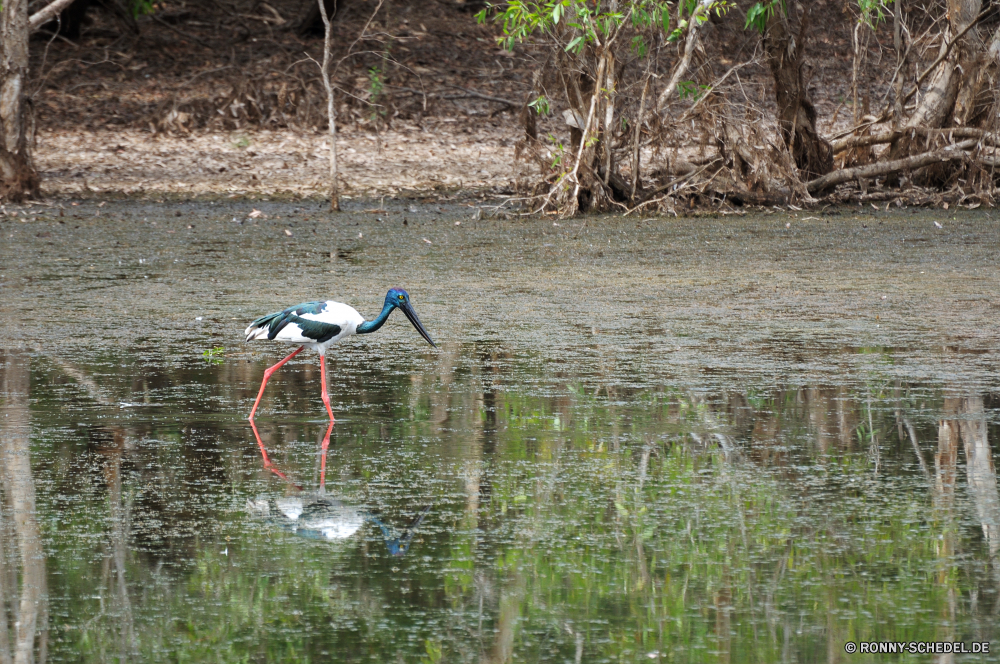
396	297
399	298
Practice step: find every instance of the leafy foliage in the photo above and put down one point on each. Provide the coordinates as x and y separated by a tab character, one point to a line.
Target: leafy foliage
142	7
691	90
578	23
873	12
214	355
541	105
760	12
376	86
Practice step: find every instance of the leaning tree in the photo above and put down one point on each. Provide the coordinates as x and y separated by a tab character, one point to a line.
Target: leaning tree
18	177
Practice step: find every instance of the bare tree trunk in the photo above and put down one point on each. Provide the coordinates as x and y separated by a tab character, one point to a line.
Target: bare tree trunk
784	45
901	53
978	96
18	177
331	110
691	41
586	149
637	139
938	105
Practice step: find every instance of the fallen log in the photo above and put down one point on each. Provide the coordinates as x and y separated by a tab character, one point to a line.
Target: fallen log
951	153
890	136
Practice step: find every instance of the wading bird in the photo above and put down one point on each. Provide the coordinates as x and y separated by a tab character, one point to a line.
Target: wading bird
319	325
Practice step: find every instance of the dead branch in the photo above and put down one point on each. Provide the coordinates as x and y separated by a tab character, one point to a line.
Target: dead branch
715	84
683	180
941	58
47	13
865	124
951	153
890	136
689	44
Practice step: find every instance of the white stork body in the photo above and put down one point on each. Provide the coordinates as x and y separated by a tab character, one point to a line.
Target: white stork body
315	325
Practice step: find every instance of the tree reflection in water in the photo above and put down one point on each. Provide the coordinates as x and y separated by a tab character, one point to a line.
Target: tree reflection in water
565	522
23	591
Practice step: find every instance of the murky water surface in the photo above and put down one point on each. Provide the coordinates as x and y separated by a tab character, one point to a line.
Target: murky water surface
640	440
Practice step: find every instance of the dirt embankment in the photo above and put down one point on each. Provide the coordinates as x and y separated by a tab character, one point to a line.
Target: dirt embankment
437	155
224	98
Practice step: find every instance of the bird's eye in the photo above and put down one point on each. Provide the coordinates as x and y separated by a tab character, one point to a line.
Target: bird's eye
400	297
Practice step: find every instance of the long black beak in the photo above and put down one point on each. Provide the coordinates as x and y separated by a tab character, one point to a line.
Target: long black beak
407	309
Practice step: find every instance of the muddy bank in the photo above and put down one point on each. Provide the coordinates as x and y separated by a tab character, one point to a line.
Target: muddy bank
758	298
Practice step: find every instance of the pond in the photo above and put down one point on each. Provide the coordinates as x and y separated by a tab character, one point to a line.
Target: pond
732	439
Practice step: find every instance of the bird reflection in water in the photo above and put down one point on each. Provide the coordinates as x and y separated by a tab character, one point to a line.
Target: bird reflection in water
269	465
319	515
399	544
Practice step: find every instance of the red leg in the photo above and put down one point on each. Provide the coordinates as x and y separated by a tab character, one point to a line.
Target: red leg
329	429
260	444
267	374
322	463
267	462
326	396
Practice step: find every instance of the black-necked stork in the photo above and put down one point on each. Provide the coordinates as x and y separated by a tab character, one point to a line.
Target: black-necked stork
319	325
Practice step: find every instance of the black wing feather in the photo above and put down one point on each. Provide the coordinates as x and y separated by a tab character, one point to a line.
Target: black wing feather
277	325
314	329
276	322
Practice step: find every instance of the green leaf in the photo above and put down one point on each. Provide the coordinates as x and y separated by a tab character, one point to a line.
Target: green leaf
760	12
214	355
141	7
639	46
687	89
541	105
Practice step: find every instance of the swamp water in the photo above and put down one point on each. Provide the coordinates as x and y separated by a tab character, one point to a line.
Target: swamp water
718	440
